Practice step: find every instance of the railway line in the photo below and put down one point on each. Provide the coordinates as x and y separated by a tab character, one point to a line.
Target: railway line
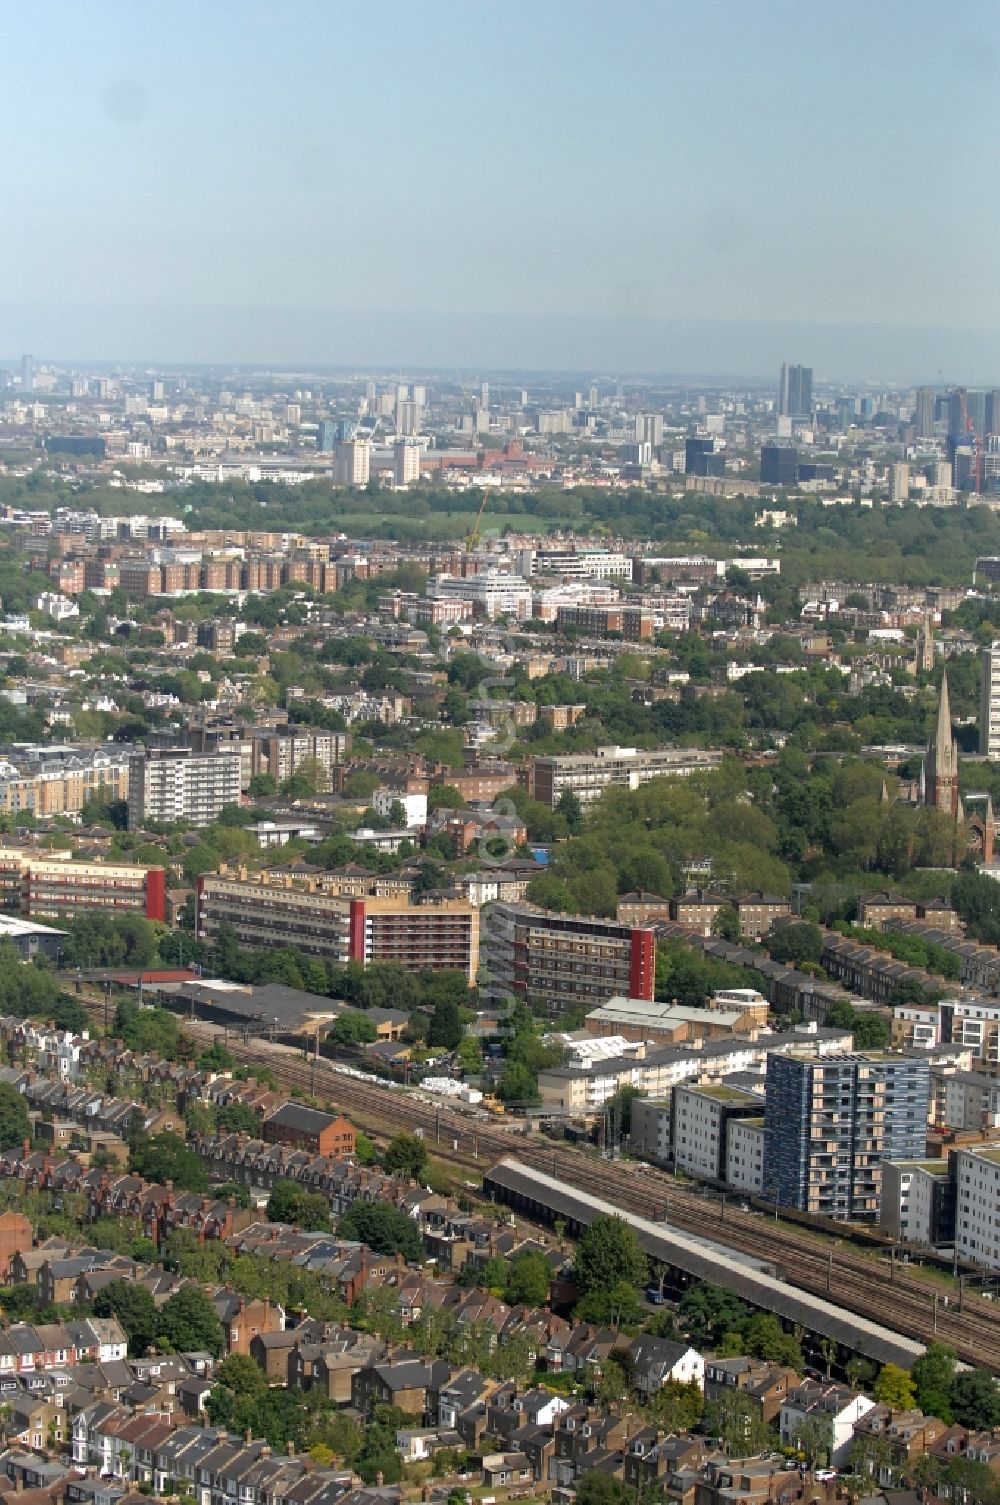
872	1288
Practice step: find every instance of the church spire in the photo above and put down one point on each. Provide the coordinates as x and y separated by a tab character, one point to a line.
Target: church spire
942	758
942	730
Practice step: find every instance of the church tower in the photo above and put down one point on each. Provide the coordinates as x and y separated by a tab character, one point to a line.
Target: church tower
924	656
941	764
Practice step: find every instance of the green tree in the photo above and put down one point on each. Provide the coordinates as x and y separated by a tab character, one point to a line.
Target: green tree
406	1155
240	1374
595	1488
385	1229
727	924
895	1388
446	1028
188	1322
796	943
609	1252
237	1118
351	1028
975	1400
291	1203
736	1421
165	1157
518	1084
135	1309
678	1407
616	1305
933	1373
709	1311
569	807
262	786
765	1338
813	1436
528	1279
15	1125
199	1118
215	1058
619	1107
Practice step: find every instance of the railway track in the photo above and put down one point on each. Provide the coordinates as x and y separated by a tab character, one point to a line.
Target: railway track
860	1283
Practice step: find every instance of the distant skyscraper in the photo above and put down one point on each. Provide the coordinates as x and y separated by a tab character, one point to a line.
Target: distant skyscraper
700	458
405	462
779	464
956	413
795	391
993	412
649	428
975	407
353	462
923	416
27	373
899	482
407	418
327	436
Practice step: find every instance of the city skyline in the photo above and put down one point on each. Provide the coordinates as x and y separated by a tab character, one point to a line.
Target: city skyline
698	190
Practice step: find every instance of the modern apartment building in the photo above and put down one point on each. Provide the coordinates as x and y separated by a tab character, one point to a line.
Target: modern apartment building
589	774
565	961
917	1205
989	702
406	459
974	1024
308	915
492	593
62	785
172	784
282	750
830	1124
53	886
745	1155
575	564
352	462
704	1115
629	622
977	1205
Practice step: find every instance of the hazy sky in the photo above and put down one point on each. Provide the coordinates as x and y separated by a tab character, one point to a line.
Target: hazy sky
623	185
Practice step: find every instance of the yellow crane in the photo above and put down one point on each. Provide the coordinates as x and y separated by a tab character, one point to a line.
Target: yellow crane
473	538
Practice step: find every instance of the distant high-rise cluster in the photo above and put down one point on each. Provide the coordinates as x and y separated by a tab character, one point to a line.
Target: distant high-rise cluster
795	391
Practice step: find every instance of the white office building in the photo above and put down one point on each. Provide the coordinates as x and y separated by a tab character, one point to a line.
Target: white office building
492	594
977	1205
703	1115
745	1155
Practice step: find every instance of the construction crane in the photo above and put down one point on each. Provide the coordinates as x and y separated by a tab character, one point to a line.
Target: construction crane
473	538
975	440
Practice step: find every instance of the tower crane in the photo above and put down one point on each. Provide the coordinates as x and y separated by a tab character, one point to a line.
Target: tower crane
473	538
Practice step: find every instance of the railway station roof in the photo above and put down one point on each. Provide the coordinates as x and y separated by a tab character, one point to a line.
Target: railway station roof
714	1263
